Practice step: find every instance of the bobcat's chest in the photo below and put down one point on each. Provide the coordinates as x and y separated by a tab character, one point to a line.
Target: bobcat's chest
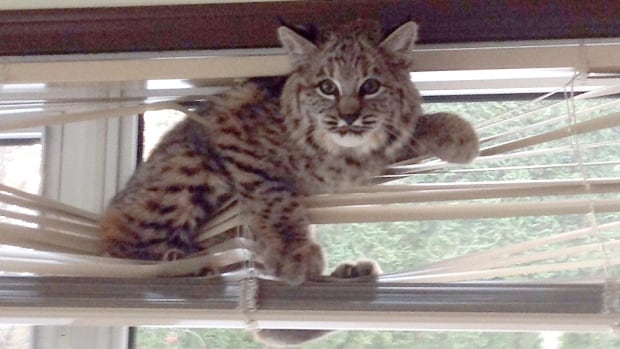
329	175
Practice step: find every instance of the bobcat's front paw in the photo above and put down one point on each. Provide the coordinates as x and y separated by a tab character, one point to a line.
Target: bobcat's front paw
359	268
449	137
301	264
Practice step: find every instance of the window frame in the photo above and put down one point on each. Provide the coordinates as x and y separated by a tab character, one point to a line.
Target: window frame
146	28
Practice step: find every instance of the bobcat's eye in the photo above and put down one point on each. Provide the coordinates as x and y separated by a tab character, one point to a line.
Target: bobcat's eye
370	87
328	87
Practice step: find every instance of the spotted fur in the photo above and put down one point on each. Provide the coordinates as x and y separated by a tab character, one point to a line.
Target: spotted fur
346	111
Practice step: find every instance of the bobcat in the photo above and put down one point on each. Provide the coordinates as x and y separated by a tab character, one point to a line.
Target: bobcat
347	110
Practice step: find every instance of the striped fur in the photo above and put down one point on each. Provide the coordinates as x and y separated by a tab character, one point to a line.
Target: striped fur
346	111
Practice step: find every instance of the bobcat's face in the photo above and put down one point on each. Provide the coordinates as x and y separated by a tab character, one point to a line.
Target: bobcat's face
352	104
350	95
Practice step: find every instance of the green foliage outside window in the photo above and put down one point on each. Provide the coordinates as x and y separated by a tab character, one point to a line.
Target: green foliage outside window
159	338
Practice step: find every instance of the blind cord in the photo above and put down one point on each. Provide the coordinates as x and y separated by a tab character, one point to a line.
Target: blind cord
584	172
248	297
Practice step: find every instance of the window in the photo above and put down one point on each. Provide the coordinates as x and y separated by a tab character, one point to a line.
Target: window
20	162
20	167
402	246
89	158
15	337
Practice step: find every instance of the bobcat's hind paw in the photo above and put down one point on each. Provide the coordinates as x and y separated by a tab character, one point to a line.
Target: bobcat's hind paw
357	269
303	263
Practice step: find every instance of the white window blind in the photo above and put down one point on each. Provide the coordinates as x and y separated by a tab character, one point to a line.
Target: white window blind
547	177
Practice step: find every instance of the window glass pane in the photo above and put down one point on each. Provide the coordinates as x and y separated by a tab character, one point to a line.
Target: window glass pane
15	337
405	245
156	124
401	246
197	338
20	167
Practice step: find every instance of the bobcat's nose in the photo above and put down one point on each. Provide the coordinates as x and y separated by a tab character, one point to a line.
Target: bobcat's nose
350	118
349	108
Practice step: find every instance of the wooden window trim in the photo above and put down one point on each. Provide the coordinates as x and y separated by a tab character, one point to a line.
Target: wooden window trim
252	25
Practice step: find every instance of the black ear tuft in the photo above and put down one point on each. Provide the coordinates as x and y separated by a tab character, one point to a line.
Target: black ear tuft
308	31
282	22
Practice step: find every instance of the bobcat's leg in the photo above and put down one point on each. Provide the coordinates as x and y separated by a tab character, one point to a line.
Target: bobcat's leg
278	221
160	212
445	135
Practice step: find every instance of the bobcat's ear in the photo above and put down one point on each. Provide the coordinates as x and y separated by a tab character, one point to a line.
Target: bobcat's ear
402	39
297	47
